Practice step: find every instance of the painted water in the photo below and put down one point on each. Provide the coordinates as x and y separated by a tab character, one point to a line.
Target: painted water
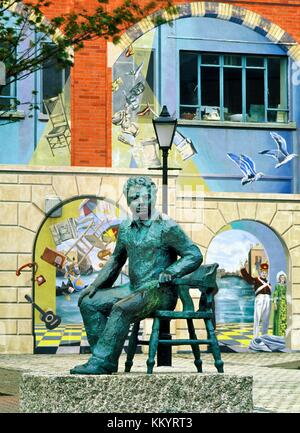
67	306
234	301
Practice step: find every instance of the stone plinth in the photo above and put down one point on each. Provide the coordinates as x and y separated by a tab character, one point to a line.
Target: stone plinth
140	393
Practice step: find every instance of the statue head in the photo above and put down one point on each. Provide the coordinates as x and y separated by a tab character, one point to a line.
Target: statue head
140	193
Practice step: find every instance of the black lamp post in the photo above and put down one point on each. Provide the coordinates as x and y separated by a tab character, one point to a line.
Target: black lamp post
165	127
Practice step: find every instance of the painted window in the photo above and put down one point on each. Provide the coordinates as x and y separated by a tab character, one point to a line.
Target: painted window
234	88
53	79
8	95
8	98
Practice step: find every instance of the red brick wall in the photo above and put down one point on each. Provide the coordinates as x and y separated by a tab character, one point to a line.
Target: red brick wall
91	80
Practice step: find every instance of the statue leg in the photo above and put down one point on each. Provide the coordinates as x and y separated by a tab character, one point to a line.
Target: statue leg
95	311
135	307
109	348
106	353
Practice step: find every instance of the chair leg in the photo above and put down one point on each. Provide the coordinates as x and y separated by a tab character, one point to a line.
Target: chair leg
132	346
153	344
50	145
195	348
214	345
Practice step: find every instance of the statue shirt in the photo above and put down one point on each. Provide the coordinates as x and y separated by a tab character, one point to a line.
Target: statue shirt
151	247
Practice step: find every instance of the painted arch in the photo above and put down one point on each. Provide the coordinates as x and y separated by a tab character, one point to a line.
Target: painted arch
220	11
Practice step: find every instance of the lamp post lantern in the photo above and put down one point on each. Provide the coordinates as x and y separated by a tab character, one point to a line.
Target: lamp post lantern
164	127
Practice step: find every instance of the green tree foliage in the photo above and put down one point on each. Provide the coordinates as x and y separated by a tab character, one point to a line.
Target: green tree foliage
25	32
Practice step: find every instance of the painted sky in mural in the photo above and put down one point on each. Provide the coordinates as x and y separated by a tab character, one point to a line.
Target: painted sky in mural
231	249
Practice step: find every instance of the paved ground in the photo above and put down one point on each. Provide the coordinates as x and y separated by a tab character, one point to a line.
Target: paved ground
276	387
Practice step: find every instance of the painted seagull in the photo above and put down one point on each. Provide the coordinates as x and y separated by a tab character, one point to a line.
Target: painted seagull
280	154
247	167
136	72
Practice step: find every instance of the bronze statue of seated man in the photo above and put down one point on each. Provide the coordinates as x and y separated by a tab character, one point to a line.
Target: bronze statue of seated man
151	242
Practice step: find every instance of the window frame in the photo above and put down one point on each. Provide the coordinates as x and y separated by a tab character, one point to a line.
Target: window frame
12	95
42	115
244	67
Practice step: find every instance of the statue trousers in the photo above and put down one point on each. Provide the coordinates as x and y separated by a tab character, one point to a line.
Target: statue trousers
108	314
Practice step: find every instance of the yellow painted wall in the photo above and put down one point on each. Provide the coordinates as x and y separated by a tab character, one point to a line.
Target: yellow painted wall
45	295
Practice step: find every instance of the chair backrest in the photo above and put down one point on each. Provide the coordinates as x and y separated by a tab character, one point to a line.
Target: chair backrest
204	279
56	111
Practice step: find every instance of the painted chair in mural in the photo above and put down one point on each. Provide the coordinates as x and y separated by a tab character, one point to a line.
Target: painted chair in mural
90	238
59	135
204	279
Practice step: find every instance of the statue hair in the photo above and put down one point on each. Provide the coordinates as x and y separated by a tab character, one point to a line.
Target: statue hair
140	181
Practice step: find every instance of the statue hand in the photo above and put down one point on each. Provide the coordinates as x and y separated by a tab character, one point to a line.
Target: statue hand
164	278
88	291
92	291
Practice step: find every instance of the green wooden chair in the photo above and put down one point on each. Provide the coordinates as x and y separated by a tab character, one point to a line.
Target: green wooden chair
204	279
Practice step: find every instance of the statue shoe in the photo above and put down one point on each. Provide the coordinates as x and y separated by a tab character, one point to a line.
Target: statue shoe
91	367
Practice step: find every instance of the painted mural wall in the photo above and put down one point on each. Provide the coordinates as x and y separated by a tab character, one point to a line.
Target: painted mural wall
70	250
34	128
152	72
236	132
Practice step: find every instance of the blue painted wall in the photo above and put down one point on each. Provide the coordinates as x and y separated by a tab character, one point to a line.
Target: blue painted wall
213	143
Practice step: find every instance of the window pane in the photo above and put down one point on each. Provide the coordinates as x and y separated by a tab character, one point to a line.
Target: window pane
7	103
210	87
189	113
210	59
255	95
233	94
52	79
188	79
277	85
232	60
278	116
255	61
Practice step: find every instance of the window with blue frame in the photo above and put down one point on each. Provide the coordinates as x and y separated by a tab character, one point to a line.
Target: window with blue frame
8	92
8	98
234	88
53	79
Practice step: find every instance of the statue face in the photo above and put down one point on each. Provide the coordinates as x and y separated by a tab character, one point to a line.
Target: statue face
141	202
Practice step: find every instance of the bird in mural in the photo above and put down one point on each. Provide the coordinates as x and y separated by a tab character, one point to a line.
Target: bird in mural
247	167
136	72
147	110
281	154
129	52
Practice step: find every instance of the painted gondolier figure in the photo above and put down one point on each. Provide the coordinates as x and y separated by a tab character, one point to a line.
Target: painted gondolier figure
262	307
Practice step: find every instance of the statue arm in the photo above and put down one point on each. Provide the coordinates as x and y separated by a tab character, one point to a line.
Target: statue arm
190	255
111	270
